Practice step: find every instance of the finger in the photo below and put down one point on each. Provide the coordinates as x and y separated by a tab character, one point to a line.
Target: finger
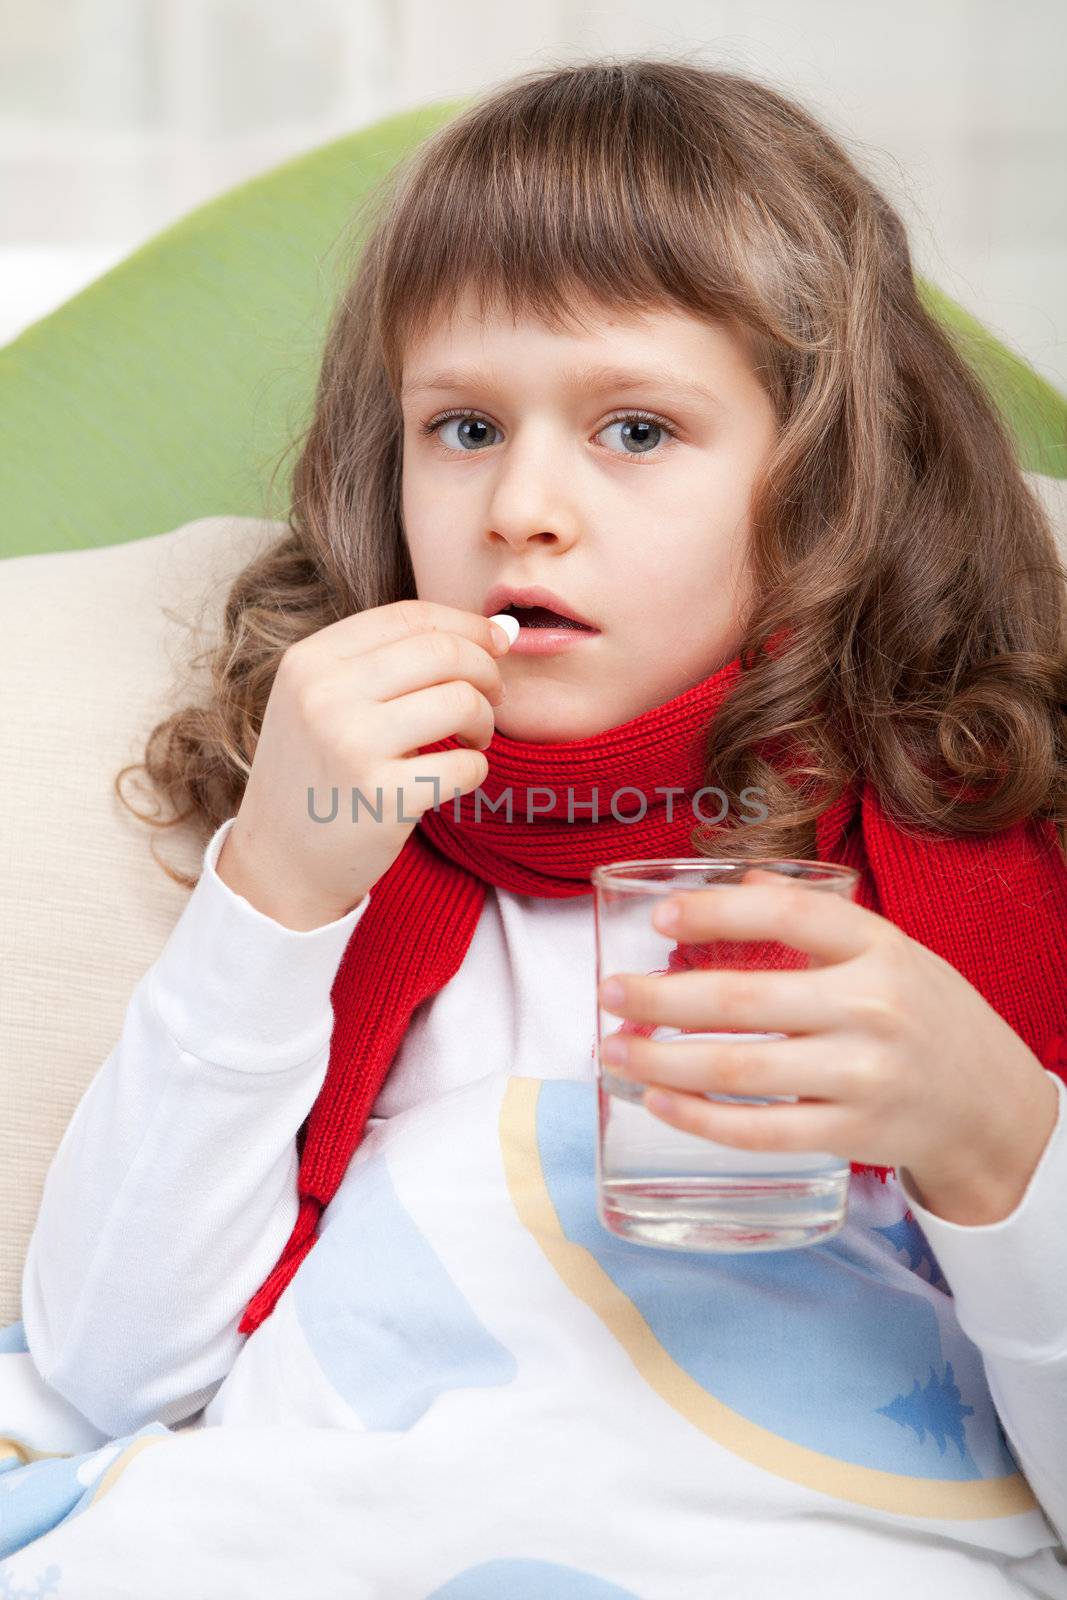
403	665
445	710
366	630
426	781
821	923
718	998
807	1068
807	1126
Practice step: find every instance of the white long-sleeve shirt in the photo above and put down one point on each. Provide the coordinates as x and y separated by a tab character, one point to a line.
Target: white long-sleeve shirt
173	1192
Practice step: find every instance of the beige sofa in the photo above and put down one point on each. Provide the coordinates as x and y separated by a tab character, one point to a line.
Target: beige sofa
95	647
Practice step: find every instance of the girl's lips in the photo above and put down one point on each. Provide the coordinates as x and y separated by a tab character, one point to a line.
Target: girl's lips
547	641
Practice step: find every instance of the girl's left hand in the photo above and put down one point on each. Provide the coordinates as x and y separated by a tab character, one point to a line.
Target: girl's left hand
897	1059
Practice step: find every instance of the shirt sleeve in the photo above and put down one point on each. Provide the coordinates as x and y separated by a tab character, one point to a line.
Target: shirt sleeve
173	1190
1009	1286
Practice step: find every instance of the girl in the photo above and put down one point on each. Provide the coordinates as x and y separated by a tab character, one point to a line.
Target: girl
634	351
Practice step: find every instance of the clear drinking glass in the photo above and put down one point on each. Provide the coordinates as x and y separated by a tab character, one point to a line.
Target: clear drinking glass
660	1185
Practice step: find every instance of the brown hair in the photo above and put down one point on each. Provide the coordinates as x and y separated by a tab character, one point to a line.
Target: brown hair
894	535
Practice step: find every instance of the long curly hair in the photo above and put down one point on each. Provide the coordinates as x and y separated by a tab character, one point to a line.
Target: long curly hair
896	545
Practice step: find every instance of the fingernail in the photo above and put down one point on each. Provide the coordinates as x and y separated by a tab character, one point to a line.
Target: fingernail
666	916
612	992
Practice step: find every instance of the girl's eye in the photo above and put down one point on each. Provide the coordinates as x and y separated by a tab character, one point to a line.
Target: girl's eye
640	430
472	432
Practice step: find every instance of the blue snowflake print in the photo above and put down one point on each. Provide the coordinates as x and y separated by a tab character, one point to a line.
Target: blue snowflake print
935	1408
908	1237
44	1584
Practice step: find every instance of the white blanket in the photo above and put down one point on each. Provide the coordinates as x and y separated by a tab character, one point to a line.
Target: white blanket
473	1391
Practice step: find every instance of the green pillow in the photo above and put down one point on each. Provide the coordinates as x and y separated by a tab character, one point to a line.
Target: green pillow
168	389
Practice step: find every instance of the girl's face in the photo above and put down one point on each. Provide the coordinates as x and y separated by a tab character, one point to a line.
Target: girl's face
639	525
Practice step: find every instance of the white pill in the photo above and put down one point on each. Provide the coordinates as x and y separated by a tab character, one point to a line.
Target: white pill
511	625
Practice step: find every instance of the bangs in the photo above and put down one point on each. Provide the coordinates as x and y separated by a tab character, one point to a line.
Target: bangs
550	204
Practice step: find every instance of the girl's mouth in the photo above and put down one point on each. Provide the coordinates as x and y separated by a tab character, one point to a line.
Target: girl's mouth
543	632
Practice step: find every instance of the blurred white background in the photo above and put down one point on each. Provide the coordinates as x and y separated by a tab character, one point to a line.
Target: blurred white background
118	116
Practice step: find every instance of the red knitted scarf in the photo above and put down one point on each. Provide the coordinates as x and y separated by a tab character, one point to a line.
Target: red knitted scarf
994	907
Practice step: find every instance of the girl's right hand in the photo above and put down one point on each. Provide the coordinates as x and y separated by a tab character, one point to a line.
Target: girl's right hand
349	708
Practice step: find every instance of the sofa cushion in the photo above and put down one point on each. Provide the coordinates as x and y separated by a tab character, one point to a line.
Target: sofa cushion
96	647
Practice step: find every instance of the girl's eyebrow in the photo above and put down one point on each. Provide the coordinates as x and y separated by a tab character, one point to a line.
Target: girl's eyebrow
588	380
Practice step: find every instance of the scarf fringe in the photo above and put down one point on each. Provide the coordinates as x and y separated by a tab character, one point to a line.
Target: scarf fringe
283	1272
